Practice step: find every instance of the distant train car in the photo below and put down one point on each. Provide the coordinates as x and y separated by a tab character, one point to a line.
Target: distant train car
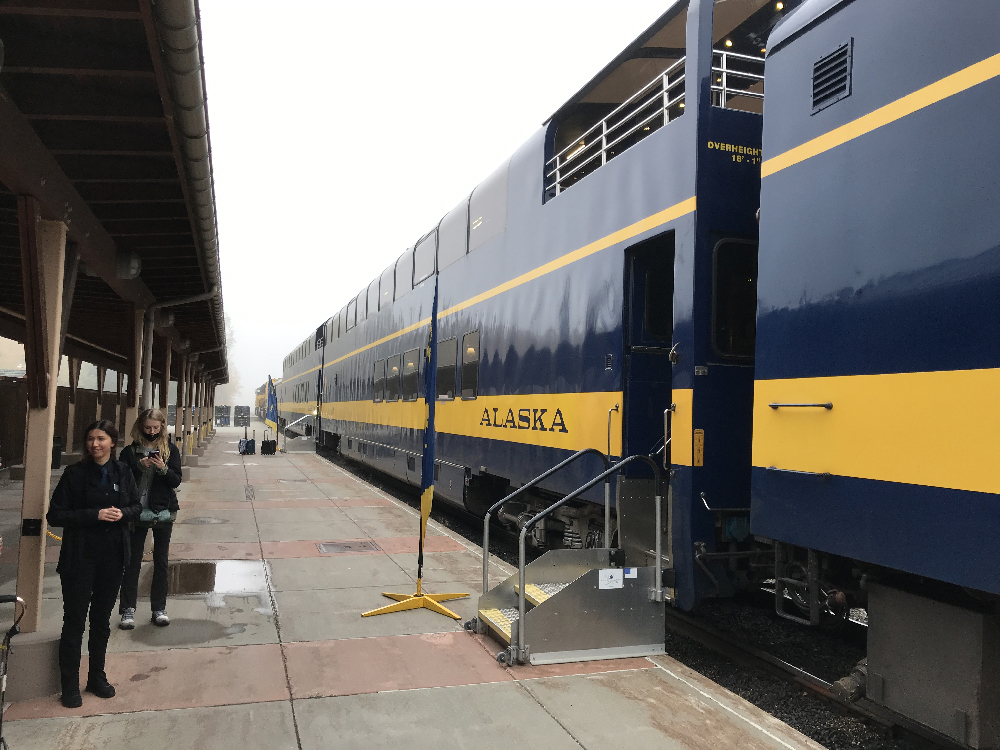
260	400
877	376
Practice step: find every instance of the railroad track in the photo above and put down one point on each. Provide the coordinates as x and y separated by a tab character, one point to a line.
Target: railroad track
751	656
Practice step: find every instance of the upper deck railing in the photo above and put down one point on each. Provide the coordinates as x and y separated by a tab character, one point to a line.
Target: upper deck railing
655	104
736	76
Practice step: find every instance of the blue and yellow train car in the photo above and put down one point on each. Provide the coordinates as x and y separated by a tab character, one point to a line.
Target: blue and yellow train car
877	384
602	274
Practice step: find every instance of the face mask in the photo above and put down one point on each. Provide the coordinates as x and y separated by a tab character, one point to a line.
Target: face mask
150	438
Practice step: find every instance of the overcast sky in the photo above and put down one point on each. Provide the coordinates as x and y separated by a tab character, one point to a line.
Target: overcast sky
343	131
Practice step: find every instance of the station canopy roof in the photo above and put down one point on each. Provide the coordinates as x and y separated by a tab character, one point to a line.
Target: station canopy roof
103	120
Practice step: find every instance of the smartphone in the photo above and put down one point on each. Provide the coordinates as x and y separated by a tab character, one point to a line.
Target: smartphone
153	453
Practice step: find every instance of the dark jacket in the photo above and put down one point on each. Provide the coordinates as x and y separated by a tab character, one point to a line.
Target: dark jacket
161	491
72	509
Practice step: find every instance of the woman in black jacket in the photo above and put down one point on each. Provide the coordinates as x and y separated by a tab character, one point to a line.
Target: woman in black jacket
156	466
94	502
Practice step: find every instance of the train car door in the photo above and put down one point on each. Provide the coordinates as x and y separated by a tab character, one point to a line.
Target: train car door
649	300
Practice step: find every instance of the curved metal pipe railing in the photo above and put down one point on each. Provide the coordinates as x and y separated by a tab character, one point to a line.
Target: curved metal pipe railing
518	491
656	594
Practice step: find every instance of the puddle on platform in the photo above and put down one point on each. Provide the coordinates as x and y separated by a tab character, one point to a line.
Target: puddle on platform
202	520
220	578
232	590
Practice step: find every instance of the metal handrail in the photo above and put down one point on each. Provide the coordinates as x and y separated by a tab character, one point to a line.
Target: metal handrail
725	89
627	102
657	93
656	594
604	145
523	488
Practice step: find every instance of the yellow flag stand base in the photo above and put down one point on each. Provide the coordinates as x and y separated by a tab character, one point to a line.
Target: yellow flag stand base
418	600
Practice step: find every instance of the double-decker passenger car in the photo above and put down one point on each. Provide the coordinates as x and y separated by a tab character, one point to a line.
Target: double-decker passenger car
602	273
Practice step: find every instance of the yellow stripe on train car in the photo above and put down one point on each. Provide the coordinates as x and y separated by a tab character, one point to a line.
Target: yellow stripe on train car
937	429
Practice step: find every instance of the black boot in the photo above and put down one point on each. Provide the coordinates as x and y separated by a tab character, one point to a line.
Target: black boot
71	697
98	685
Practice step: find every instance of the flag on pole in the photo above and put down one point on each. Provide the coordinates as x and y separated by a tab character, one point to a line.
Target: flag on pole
420	599
427	461
271	413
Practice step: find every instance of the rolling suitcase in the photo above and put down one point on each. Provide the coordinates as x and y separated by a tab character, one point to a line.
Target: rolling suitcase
268	447
248	447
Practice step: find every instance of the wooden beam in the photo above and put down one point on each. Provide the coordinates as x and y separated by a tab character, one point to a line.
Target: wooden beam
45	251
165	382
91	72
69	287
35	10
27	168
35	356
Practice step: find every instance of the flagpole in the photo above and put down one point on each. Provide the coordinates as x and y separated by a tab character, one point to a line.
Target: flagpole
420	599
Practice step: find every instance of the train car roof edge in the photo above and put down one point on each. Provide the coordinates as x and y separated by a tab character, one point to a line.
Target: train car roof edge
624	55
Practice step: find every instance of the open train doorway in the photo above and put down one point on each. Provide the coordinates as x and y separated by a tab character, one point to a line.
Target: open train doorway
648	331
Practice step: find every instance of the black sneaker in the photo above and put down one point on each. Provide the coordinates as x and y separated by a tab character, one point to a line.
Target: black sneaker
72	699
100	687
128	619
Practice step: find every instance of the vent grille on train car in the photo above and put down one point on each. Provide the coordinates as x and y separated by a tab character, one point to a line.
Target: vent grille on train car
831	80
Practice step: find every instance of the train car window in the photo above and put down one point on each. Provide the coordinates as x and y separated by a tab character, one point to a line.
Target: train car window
411	371
734	299
362	305
335	326
488	208
387	287
447	356
404	273
392	367
658	318
378	390
470	365
453	235
352	308
425	258
373	298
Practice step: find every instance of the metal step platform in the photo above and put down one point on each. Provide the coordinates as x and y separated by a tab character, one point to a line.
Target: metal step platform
538	593
577	604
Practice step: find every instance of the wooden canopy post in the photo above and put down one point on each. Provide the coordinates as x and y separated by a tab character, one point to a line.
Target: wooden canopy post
43	256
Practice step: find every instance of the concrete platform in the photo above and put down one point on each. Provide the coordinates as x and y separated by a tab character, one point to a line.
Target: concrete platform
267	647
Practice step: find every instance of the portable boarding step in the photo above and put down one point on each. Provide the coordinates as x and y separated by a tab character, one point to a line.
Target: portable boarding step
578	607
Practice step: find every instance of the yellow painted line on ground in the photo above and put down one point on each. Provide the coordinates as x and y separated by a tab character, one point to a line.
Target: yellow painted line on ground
948	86
936	429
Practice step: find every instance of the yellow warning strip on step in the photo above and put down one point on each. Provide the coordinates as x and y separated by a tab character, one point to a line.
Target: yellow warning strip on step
498	620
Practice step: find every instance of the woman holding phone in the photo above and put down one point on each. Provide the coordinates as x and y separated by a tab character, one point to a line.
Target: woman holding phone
94	503
156	466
